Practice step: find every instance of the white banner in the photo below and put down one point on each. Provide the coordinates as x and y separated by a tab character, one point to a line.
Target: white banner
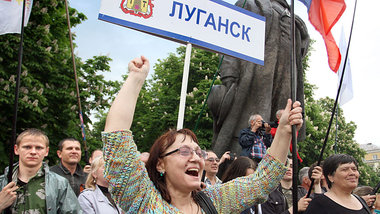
211	24
11	15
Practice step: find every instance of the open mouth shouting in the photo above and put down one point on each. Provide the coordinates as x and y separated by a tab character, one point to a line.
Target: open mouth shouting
193	172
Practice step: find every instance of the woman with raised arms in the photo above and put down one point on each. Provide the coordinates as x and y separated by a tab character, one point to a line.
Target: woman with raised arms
171	179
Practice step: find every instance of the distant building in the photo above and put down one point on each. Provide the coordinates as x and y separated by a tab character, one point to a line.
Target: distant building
372	156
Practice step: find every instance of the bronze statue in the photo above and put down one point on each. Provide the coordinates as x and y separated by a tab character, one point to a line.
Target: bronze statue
248	88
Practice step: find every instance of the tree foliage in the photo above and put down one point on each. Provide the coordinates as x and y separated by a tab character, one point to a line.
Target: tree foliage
340	140
157	110
48	100
158	104
47	93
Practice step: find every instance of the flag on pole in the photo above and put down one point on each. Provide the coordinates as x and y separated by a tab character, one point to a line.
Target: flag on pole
323	14
11	15
346	92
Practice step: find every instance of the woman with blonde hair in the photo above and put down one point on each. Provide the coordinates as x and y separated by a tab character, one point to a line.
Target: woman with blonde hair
96	198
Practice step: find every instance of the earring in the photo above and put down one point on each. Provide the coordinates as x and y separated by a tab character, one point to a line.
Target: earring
162	173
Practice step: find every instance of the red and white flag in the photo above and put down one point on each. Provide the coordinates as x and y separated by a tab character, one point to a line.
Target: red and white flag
11	15
323	14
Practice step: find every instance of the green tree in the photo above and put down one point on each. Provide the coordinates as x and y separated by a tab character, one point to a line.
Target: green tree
47	93
317	117
158	104
157	110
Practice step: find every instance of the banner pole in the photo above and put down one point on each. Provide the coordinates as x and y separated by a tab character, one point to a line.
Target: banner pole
15	107
185	79
86	158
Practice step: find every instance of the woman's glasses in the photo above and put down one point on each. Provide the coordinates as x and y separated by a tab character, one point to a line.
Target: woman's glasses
187	151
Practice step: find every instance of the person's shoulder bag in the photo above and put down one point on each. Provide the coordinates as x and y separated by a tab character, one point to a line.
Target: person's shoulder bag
205	203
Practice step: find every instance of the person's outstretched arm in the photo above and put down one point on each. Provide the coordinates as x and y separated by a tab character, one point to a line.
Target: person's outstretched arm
243	192
121	113
281	142
127	176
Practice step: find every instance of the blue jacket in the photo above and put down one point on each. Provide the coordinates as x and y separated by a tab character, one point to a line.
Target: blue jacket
249	141
60	198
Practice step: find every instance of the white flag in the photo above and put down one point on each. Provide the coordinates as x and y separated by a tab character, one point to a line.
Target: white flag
11	15
346	92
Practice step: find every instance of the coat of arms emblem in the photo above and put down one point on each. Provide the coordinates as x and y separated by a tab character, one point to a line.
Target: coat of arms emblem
141	8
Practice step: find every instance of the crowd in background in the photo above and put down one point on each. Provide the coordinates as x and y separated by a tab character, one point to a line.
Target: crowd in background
177	176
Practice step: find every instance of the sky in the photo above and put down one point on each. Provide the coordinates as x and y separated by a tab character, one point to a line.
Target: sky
94	37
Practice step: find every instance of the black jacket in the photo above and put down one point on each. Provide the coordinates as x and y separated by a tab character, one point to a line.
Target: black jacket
277	204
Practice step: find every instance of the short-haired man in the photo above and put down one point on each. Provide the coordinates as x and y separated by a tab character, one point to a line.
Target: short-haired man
303	176
69	151
39	190
253	140
305	180
212	167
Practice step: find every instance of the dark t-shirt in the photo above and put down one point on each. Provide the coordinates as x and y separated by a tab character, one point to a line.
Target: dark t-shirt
324	205
76	180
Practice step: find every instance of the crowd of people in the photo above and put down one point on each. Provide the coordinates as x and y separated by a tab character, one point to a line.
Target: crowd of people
177	176
37	188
